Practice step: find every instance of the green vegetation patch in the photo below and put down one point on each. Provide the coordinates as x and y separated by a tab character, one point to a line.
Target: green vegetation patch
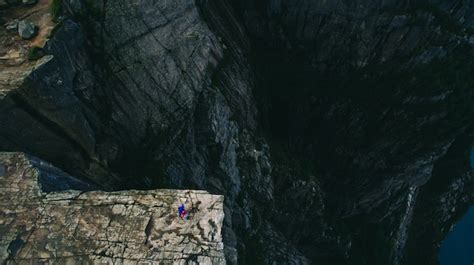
56	9
34	53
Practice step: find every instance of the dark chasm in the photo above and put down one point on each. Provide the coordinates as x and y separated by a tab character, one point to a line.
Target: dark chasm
339	132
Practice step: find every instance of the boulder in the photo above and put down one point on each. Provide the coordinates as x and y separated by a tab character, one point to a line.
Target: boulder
27	30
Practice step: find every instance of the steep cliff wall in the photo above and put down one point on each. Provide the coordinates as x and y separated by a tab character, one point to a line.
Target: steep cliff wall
333	128
363	101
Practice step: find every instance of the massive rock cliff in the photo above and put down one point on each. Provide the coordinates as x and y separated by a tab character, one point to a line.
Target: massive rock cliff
335	129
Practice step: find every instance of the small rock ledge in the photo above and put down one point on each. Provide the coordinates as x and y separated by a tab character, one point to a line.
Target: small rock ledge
84	227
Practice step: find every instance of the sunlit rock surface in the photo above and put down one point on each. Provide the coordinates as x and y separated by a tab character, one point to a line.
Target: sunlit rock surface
83	227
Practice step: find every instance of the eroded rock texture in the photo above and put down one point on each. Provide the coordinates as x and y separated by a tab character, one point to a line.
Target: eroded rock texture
95	227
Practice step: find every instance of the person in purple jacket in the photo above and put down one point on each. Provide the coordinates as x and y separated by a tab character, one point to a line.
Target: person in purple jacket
182	213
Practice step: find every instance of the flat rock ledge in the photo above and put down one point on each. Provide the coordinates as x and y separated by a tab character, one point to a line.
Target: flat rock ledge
97	227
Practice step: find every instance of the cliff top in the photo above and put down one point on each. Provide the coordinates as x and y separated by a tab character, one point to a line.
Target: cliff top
101	227
25	28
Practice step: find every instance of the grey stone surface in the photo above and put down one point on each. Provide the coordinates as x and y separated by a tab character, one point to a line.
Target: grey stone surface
12	26
26	29
127	227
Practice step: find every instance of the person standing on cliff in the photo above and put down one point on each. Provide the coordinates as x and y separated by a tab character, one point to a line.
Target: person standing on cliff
182	213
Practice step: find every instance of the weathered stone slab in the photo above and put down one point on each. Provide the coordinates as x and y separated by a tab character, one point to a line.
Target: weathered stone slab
97	227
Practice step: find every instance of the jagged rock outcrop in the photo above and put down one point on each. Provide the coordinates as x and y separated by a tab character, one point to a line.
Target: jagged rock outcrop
80	226
333	128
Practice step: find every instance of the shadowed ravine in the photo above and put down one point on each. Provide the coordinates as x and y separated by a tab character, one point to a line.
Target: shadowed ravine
337	131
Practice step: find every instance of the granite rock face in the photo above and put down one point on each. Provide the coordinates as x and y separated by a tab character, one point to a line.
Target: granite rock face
331	127
124	227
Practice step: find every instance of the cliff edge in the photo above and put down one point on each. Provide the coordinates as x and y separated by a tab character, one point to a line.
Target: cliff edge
123	227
